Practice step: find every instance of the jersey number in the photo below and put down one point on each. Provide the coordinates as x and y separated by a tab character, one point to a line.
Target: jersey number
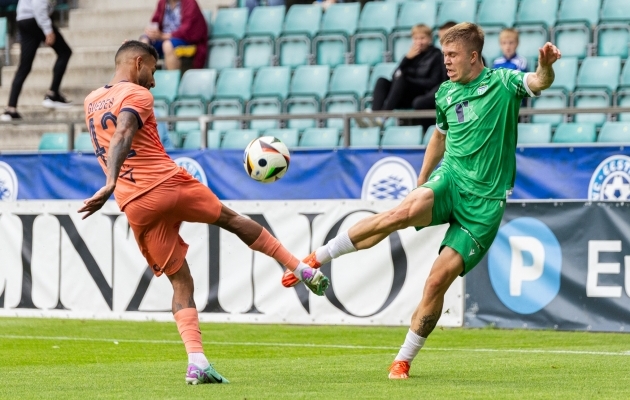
459	110
100	150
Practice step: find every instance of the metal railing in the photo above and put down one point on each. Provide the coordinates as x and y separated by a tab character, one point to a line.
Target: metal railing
205	120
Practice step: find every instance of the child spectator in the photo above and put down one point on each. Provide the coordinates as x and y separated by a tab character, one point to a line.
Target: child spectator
508	40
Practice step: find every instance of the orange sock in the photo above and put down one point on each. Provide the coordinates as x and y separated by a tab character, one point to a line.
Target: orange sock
270	246
188	326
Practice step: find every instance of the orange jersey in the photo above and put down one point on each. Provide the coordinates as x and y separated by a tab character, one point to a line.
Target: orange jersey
147	163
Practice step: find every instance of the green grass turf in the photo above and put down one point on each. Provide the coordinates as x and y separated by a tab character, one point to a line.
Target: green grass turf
451	365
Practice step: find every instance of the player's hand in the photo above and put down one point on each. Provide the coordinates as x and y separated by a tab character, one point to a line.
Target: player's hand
94	203
548	55
50	39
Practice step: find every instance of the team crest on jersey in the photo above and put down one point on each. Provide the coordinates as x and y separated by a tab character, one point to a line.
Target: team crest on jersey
8	183
482	89
390	178
449	99
193	168
611	179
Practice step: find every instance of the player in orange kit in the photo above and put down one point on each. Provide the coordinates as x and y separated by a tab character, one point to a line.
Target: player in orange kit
157	196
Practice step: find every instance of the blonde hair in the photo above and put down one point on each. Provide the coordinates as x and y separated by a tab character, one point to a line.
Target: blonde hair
509	31
421	29
468	34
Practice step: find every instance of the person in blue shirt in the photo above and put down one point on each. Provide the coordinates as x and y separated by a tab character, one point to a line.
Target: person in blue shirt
508	40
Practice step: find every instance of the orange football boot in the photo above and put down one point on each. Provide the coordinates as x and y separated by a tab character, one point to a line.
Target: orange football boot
290	280
399	370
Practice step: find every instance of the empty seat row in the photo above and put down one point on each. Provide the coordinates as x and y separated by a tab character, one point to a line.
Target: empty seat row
574	133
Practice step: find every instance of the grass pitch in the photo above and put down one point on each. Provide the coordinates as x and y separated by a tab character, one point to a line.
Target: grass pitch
51	358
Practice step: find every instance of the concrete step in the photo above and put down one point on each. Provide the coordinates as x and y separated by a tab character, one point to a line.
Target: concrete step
75	76
85	57
33	97
27	137
103	37
102	20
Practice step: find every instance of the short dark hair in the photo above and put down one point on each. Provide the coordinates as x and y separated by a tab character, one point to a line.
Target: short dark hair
138	46
447	25
469	35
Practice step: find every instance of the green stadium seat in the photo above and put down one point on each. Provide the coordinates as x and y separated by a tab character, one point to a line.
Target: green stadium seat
320	137
573	39
288	136
401	42
270	88
364	137
347	86
229	109
491	47
416	12
624	81
4	40
531	38
258	46
83	143
615	11
427	136
234	84
534	133
496	12
54	141
338	25
587	99
402	136
302	108
293	47
585	10
166	86
623	100
383	70
575	133
537	12
185	109
457	10
308	87
612	39
377	20
222	54
197	84
550	100
238	138
207	15
229	28
615	132
599	72
192	140
566	74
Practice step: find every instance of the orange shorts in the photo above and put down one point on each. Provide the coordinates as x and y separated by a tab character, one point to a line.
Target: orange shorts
155	218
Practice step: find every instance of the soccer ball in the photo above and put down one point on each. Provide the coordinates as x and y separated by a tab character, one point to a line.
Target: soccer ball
266	159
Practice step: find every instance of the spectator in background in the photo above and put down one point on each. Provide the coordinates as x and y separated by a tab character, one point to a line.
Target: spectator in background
415	81
178	29
508	40
35	26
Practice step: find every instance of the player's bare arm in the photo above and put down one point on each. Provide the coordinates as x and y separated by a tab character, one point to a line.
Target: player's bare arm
432	156
544	75
126	128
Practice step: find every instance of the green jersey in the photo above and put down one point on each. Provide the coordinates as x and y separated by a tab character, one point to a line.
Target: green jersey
480	120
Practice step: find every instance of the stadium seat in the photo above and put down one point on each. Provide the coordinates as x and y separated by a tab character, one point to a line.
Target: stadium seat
186	109
531	38
53	141
288	136
428	134
623	100
166	85
229	28
258	46
234	84
383	70
270	88
615	11
496	13
332	43
83	143
320	137
308	87
534	133
347	86
537	12
575	133
590	99
364	137
193	140
4	40
566	74
238	138
491	46
584	10
416	12
402	136
457	10
207	15
369	44
615	132
293	47
549	100
612	39
197	84
572	38
599	72
226	110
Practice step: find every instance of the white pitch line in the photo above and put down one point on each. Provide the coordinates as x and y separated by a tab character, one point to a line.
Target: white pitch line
323	346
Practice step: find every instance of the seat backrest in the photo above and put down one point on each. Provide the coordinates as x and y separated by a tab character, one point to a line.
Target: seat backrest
625	76
302	18
238	138
427	136
166	84
187	110
266	21
597	72
530	41
365	136
613	41
320	137
402	136
378	15
383	70
3	32
615	132
83	142
349	79
549	101
417	12
534	133
584	10
575	133
230	22
457	10
538	11
497	12
341	17
573	39
566	73
197	83
272	81
54	141
192	140
207	15
222	55
310	79
615	10
288	136
235	83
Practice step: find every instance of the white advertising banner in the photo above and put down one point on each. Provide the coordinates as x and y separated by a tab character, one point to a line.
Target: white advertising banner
53	264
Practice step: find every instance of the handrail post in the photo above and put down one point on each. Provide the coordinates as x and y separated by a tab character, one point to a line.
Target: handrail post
70	136
346	130
203	127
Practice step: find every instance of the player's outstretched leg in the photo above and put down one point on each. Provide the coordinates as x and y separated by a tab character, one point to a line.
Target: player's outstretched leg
446	268
185	312
415	210
259	239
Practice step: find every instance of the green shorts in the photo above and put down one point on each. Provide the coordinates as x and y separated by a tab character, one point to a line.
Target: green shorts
474	221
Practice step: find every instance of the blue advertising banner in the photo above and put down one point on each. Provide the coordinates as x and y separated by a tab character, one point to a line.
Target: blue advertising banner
543	173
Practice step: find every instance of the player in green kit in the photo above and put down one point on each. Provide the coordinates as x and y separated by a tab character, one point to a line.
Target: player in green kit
477	117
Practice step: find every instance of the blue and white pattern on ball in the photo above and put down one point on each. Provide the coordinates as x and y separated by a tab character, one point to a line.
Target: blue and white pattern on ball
266	159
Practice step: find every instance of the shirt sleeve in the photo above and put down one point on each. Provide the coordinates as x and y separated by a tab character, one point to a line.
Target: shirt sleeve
440	119
140	103
515	82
